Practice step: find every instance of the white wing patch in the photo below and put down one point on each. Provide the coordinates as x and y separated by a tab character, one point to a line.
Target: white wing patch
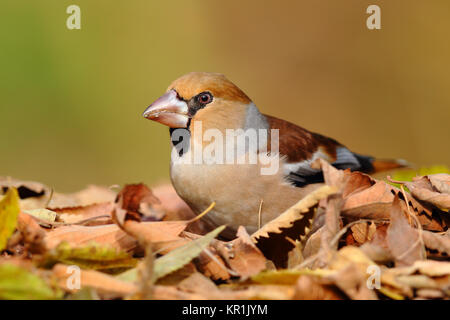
301	172
304	167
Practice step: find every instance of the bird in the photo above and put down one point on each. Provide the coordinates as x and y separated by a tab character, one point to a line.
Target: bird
200	102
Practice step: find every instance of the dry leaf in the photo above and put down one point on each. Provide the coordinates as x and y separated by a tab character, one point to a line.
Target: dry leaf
101	282
315	288
33	235
403	241
77	214
81	235
441	182
437	242
242	255
363	232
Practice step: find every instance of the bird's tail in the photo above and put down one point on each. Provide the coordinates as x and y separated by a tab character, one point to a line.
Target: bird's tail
372	165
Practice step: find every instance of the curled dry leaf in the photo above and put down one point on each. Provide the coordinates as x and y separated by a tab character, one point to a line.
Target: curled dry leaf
441	182
78	214
366	198
439	242
363	231
138	201
242	255
404	242
423	189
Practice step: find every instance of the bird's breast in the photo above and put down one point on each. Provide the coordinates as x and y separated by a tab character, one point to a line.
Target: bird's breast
239	191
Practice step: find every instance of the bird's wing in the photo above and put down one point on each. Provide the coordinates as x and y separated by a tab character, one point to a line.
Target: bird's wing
301	147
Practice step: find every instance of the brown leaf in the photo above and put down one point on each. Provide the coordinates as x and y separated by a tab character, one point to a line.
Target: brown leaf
313	244
332	221
441	182
242	255
346	181
363	232
75	235
314	288
371	203
437	242
33	235
403	240
213	268
138	201
333	205
101	282
422	189
198	283
162	234
81	213
352	281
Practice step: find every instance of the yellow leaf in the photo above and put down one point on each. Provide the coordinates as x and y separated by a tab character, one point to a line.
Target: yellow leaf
9	210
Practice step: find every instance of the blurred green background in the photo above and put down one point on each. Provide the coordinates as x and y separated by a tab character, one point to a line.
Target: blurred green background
71	100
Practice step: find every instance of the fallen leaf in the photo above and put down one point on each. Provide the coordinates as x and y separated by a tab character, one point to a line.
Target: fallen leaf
177	258
198	283
72	215
423	189
89	256
103	283
315	288
363	232
183	255
242	255
42	214
403	240
75	235
18	283
441	182
9	210
437	242
33	235
138	201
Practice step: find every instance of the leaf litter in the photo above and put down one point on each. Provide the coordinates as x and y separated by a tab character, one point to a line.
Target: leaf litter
356	237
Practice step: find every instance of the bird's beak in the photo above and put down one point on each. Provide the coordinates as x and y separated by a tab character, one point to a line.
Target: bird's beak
168	110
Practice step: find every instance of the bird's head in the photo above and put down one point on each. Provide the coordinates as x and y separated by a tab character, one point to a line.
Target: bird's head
195	96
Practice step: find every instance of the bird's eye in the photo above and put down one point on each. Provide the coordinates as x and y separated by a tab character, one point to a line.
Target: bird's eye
205	98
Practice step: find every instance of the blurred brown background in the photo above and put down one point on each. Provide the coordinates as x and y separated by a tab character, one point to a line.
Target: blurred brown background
71	100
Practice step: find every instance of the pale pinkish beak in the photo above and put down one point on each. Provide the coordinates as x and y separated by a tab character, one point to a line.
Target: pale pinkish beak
168	110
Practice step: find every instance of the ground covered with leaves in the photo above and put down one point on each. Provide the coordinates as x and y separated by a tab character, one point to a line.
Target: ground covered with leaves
354	238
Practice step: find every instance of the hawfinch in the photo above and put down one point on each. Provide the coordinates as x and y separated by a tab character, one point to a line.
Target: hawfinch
202	110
